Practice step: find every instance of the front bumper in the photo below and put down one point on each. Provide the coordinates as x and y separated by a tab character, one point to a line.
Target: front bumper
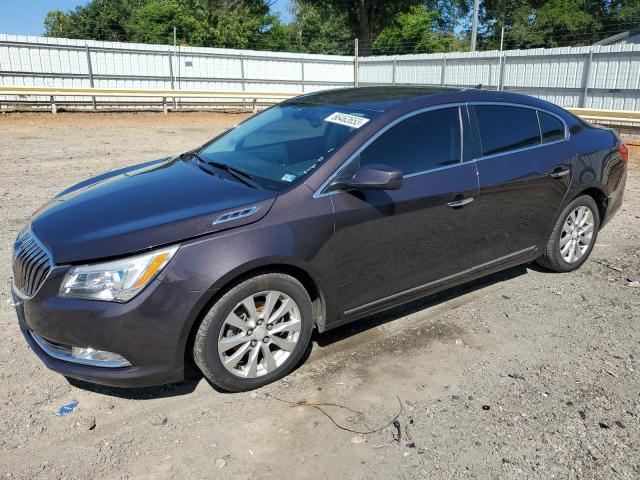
150	331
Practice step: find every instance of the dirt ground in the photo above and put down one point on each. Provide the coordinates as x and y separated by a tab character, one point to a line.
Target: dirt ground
524	374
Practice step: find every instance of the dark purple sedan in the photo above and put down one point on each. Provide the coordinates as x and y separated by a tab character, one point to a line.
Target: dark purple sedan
319	211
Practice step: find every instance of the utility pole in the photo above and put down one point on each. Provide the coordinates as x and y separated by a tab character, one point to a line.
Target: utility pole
174	37
502	39
474	24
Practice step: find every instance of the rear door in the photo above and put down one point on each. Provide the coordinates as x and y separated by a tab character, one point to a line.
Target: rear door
388	242
523	169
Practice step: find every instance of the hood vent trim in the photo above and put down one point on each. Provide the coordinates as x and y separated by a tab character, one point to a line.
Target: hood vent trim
237	214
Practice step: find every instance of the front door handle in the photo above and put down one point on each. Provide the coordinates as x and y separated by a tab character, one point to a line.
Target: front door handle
560	172
460	202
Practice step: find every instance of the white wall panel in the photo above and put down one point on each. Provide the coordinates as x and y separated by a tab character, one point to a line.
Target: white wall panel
559	75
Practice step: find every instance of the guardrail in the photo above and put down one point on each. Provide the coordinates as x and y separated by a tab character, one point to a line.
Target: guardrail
164	94
607	116
621	117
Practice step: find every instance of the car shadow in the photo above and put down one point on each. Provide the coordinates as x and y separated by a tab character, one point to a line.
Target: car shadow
193	375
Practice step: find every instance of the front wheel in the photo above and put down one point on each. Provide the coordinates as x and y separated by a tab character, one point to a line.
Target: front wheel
573	236
256	333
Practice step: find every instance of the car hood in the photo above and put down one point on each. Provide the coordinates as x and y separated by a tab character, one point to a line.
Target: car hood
141	207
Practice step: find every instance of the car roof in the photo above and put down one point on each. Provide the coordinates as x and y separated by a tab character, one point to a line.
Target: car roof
378	98
400	98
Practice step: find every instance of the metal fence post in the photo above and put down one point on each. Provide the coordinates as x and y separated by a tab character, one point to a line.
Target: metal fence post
302	72
393	72
90	69
503	64
356	63
443	72
172	79
585	79
244	87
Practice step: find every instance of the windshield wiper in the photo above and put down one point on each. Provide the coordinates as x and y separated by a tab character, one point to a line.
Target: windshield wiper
234	172
238	174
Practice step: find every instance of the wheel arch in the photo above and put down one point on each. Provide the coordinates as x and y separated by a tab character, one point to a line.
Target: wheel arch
233	278
599	196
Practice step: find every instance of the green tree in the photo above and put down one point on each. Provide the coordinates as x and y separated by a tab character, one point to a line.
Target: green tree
318	28
213	23
153	22
552	23
99	20
420	30
367	18
58	24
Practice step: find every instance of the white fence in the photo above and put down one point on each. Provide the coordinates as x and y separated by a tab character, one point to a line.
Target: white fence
56	62
605	77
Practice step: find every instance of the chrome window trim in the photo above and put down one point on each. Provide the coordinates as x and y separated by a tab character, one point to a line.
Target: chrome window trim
437	169
518	150
567	135
319	193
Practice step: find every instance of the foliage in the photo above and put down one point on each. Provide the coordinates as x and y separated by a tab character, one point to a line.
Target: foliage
329	26
552	23
420	30
219	23
99	20
319	28
367	18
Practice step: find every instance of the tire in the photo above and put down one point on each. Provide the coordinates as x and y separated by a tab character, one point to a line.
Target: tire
267	348
557	250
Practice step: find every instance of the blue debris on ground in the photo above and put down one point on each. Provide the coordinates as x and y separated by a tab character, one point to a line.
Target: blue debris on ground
68	408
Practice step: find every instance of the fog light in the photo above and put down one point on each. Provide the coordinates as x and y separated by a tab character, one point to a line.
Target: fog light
98	357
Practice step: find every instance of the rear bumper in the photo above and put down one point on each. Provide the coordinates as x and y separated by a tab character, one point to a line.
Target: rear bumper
150	332
614	202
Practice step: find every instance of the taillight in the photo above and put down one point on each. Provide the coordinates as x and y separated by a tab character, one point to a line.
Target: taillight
624	152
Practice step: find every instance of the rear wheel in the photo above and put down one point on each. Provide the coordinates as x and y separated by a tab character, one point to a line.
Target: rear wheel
255	333
573	236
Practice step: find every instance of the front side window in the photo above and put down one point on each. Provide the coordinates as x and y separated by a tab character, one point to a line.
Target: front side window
551	127
503	128
281	145
422	142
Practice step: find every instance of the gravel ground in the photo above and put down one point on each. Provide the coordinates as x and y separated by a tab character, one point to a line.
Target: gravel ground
524	374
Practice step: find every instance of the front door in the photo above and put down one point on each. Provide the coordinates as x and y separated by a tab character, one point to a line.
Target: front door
388	242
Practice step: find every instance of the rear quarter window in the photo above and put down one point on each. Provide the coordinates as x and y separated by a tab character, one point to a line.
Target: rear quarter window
504	128
551	127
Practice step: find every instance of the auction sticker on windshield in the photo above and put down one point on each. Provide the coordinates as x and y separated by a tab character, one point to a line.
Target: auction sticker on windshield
347	120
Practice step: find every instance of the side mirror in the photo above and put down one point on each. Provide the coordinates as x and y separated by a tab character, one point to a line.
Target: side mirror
372	177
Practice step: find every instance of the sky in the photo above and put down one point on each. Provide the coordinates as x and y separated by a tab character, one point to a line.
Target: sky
25	17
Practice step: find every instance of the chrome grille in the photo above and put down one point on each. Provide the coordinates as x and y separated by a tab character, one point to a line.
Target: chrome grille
31	264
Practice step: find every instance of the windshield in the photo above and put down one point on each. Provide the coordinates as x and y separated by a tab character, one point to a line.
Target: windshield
281	145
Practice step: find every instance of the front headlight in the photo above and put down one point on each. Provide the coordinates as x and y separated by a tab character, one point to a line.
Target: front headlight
118	280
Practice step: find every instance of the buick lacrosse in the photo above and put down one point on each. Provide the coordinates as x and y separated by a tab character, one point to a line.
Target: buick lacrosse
316	212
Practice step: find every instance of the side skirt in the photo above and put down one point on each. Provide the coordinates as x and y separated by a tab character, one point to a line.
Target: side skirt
517	258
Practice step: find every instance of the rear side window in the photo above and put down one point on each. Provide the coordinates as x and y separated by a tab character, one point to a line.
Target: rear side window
504	128
423	142
551	127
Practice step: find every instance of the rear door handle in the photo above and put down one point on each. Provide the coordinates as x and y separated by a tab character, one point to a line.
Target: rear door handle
460	202
560	172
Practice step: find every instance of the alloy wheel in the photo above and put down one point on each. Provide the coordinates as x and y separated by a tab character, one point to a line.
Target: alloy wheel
577	234
259	334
